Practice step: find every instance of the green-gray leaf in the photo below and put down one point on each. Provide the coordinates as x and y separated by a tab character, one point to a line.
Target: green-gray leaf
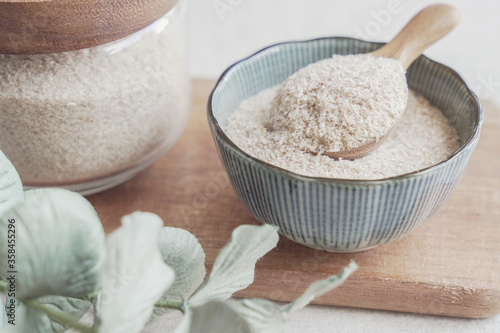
262	315
234	267
215	317
3	315
135	275
22	322
37	321
11	188
185	324
320	287
13	304
182	252
72	307
59	244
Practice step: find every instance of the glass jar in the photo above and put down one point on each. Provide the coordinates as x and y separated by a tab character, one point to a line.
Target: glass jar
89	119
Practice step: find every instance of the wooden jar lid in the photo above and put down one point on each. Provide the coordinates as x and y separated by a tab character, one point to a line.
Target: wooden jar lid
52	26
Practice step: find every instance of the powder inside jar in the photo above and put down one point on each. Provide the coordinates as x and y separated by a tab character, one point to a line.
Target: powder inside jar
76	116
340	103
422	138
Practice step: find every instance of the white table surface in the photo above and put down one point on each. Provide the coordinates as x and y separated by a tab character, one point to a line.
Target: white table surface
319	319
224	31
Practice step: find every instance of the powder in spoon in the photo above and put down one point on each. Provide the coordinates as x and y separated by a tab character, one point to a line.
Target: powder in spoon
341	102
423	137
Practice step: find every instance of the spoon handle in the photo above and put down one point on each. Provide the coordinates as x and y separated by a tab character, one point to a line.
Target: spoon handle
428	26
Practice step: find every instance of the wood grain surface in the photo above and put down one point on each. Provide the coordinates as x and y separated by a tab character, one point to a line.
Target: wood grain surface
448	266
33	26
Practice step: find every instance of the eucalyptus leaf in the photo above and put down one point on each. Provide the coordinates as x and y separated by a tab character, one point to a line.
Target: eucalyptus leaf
23	323
185	324
181	251
72	307
262	315
217	317
3	315
59	244
135	276
234	267
38	322
11	188
320	287
13	304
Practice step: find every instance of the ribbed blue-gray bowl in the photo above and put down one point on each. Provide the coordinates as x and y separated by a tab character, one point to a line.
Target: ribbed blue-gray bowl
340	215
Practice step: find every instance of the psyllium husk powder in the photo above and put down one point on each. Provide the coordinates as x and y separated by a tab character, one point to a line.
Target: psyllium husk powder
87	114
422	138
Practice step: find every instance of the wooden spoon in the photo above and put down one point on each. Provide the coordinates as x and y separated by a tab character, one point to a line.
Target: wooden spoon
424	29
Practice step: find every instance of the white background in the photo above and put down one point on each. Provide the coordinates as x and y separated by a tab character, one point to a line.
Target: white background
224	31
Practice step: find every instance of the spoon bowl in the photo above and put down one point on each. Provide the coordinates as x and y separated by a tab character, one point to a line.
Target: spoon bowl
424	29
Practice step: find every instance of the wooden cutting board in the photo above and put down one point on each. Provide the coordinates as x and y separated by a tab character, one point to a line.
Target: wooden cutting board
449	266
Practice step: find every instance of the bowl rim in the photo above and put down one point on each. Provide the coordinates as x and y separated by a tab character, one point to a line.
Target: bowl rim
346	181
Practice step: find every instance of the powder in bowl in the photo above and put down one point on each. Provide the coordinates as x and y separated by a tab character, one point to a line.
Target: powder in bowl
422	138
340	103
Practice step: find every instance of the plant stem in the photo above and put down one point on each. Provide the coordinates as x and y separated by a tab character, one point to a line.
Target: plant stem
160	304
90	297
3	286
59	316
170	305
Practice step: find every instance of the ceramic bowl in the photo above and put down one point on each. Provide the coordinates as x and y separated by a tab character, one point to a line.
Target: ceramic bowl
336	214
